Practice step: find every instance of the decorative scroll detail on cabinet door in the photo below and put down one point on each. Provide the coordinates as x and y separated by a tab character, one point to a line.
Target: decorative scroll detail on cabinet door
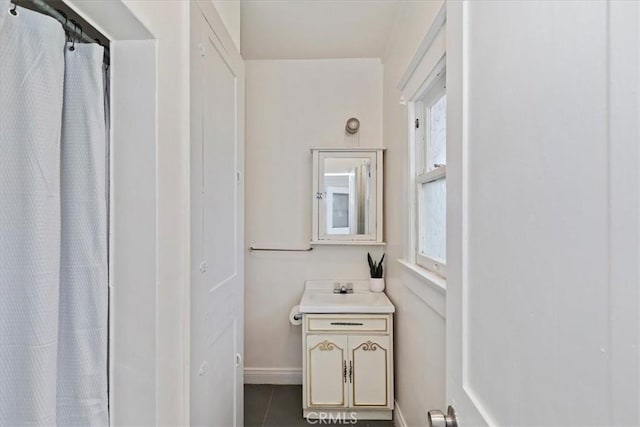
326	346
369	346
370	371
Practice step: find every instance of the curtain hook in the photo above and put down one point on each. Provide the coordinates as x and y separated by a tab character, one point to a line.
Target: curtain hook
64	26
73	40
14	11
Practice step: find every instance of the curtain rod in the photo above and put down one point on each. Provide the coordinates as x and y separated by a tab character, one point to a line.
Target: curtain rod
69	25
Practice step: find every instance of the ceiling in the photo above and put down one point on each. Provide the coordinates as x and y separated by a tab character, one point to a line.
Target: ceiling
314	29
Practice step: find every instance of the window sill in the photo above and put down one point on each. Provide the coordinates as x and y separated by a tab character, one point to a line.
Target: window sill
429	277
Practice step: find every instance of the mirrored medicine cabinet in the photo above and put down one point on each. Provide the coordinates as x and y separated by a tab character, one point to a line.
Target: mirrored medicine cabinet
347	196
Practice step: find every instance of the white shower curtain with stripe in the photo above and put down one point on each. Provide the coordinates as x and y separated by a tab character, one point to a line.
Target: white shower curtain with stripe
53	226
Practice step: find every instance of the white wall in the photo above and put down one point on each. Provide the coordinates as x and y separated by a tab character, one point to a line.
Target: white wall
291	106
420	318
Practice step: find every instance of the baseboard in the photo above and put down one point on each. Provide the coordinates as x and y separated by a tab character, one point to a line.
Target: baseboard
398	418
272	376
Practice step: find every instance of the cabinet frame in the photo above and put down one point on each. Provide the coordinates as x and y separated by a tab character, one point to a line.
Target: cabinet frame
375	236
355	340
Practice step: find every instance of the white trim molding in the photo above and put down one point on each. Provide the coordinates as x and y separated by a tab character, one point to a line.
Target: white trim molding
424	73
429	277
398	418
278	376
428	40
427	286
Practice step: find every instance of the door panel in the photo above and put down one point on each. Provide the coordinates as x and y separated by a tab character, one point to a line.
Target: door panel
219	164
543	234
216	376
371	365
219	381
326	362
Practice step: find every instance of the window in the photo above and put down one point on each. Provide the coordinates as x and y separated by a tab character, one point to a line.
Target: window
431	179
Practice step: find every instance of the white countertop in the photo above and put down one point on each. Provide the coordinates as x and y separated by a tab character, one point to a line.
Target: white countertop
318	297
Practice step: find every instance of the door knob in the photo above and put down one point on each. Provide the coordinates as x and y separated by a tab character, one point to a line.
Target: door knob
438	419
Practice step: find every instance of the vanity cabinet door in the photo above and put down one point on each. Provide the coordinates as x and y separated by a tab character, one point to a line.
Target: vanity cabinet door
326	360
370	371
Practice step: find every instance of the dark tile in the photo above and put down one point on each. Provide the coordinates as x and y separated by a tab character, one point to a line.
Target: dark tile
375	423
287	396
301	422
285	410
286	407
256	403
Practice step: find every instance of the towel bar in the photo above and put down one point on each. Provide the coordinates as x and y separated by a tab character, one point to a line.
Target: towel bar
251	248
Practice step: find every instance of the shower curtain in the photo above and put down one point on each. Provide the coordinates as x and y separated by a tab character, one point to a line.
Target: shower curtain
53	226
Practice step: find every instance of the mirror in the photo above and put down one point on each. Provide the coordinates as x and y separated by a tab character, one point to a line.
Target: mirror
347	187
346	196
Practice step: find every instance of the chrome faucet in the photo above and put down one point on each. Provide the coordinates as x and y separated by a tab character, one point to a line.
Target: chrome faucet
343	288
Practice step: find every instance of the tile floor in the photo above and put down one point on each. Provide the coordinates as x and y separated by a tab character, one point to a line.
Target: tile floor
281	406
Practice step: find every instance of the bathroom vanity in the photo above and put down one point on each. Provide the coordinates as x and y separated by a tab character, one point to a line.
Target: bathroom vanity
347	341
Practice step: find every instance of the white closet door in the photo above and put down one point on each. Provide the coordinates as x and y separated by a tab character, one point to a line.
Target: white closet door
216	227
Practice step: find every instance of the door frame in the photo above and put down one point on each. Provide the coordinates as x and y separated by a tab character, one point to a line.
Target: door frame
457	393
138	352
133	216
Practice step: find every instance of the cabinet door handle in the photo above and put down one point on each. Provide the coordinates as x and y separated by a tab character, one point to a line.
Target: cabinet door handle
350	371
344	372
347	323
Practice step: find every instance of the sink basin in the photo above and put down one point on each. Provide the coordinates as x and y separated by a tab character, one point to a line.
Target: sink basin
359	298
321	299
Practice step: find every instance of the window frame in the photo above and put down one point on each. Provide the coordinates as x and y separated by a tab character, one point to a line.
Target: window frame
421	174
330	194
